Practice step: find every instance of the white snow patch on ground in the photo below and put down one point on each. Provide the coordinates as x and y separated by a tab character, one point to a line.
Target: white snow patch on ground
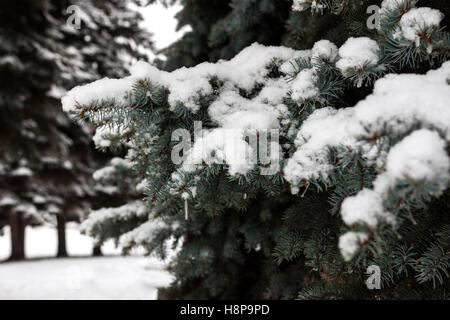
118	278
41	242
79	277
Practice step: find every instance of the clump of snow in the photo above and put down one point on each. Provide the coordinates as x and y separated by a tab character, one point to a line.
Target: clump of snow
420	156
356	53
230	110
389	5
350	242
97	217
108	172
102	136
288	67
273	93
142	185
185	195
142	234
107	189
8	200
106	89
366	207
398	102
28	208
80	276
103	173
303	87
56	92
22	172
99	278
417	20
220	146
38	199
324	50
301	5
185	85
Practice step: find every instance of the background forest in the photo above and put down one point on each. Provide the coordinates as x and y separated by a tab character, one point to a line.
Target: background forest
363	153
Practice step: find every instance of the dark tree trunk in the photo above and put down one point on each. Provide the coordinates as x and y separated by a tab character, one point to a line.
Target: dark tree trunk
97	251
61	225
17	225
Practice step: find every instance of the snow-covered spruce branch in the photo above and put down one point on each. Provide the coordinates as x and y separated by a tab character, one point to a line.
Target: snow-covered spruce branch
384	158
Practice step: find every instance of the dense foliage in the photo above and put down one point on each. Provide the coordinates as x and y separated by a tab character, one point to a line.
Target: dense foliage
47	161
363	154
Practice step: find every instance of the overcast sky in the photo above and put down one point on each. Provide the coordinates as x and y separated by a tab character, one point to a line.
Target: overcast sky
162	23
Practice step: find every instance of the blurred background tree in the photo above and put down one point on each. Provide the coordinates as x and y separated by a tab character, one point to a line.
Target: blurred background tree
252	236
222	28
47	161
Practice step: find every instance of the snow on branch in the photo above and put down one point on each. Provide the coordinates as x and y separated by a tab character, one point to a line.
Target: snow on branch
97	218
186	84
397	102
401	130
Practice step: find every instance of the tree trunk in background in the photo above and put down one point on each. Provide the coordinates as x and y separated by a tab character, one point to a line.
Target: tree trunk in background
61	225
97	251
17	225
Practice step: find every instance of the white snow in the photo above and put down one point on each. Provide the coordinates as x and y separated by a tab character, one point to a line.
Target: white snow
350	242
245	70
303	87
414	23
324	50
301	5
8	200
41	242
22	172
135	208
366	207
80	277
142	234
420	156
232	111
398	101
102	136
355	53
142	185
389	5
111	89
56	92
103	278
108	172
25	207
289	68
107	189
273	93
234	114
220	146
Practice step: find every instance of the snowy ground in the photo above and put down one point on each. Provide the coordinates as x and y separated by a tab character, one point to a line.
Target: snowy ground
78	277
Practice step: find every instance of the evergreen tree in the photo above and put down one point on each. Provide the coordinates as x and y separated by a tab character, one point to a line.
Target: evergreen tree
357	177
222	29
46	161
